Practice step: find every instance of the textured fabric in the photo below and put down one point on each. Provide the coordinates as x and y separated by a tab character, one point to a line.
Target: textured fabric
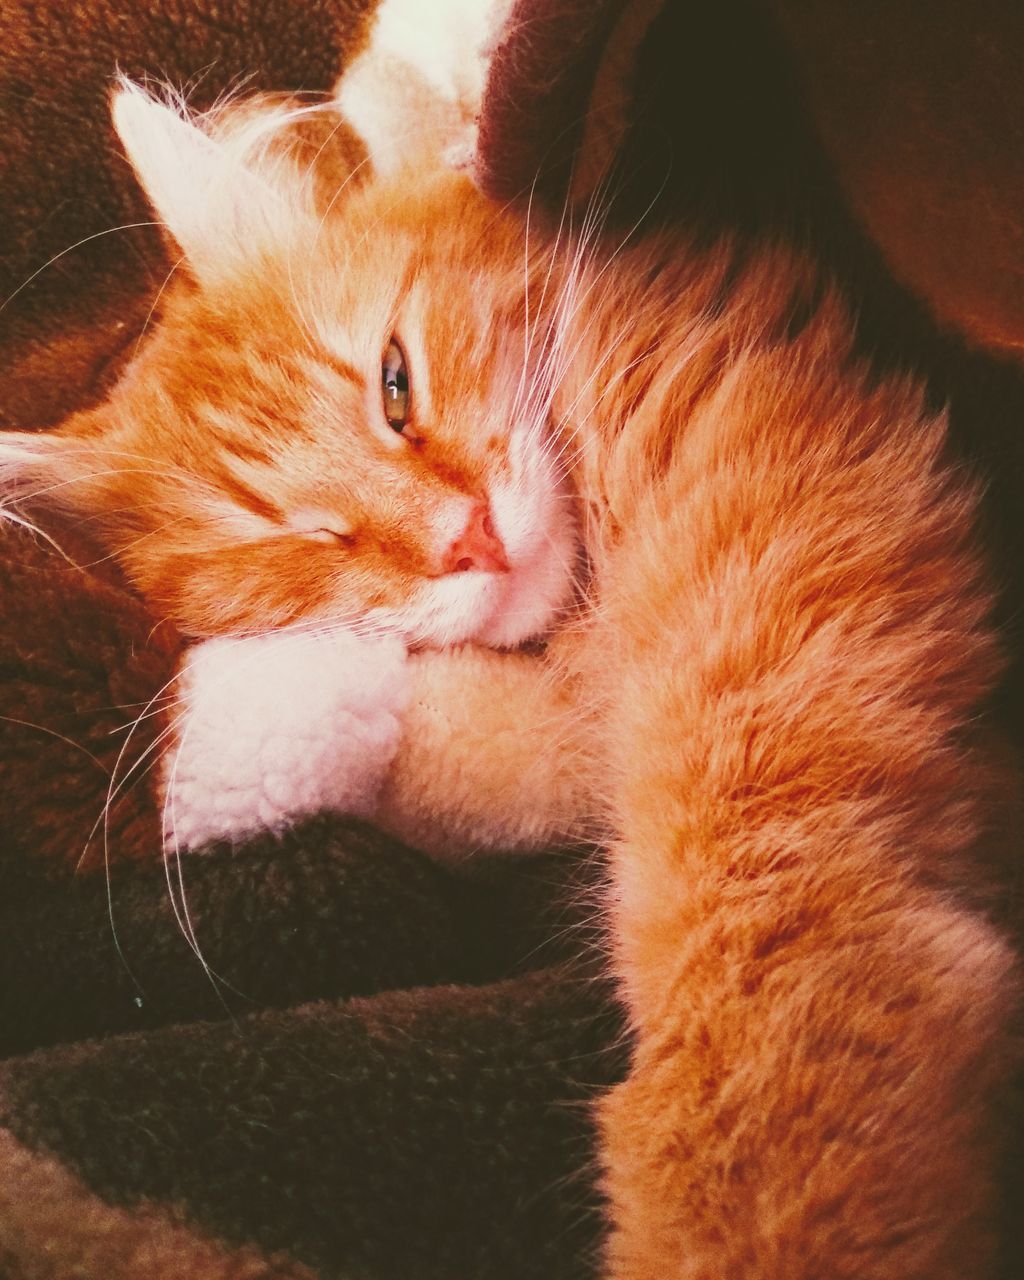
65	183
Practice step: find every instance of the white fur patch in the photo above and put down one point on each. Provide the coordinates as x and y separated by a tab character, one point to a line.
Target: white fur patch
414	93
280	726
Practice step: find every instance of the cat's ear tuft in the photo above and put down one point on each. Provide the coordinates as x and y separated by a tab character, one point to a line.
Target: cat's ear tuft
217	208
29	463
26	448
50	469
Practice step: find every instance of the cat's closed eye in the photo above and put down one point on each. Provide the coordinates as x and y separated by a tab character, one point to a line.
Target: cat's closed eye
332	537
317	526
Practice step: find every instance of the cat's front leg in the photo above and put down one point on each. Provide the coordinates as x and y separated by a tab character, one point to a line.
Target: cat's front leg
267	729
823	1020
495	754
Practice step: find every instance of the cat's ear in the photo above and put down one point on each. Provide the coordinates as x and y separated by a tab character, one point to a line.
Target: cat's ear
215	202
412	94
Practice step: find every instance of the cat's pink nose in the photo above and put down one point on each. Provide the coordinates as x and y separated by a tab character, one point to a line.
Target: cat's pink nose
477	546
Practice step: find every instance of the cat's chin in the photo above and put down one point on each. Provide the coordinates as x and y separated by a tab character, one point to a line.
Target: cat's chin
523	604
499	610
529	601
540	535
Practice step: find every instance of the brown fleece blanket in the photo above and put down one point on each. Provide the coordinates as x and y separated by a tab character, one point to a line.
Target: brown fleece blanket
325	1055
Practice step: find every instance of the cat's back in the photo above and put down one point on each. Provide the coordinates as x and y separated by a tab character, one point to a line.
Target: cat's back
680	361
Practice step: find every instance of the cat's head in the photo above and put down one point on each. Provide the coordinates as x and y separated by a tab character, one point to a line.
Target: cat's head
341	414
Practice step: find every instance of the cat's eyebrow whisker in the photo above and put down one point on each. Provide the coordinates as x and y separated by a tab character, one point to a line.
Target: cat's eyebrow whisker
307	177
126	226
368	230
307	325
341	187
156	302
308	332
410	131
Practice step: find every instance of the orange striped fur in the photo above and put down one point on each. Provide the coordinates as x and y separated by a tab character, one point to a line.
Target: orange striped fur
768	691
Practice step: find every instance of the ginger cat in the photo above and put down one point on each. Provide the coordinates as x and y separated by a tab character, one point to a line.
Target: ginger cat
380	418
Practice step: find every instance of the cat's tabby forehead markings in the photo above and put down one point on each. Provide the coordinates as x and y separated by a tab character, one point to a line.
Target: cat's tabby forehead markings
245	469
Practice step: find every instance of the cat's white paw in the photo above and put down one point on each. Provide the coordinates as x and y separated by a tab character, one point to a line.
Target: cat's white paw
413	92
275	727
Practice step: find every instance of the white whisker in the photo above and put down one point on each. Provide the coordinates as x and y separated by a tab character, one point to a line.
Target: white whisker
128	226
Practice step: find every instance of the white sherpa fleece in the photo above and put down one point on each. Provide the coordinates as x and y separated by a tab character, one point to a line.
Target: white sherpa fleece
274	727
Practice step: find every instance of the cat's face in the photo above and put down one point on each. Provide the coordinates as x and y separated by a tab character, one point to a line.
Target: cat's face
337	419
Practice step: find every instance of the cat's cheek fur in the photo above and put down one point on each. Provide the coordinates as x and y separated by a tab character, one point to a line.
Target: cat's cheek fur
544	548
276	727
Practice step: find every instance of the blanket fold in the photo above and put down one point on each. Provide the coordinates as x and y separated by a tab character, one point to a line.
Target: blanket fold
348	1133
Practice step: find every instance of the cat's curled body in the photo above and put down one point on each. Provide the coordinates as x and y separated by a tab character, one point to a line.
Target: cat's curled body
765	688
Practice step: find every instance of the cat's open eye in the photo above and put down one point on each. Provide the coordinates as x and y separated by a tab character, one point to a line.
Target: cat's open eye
394	381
